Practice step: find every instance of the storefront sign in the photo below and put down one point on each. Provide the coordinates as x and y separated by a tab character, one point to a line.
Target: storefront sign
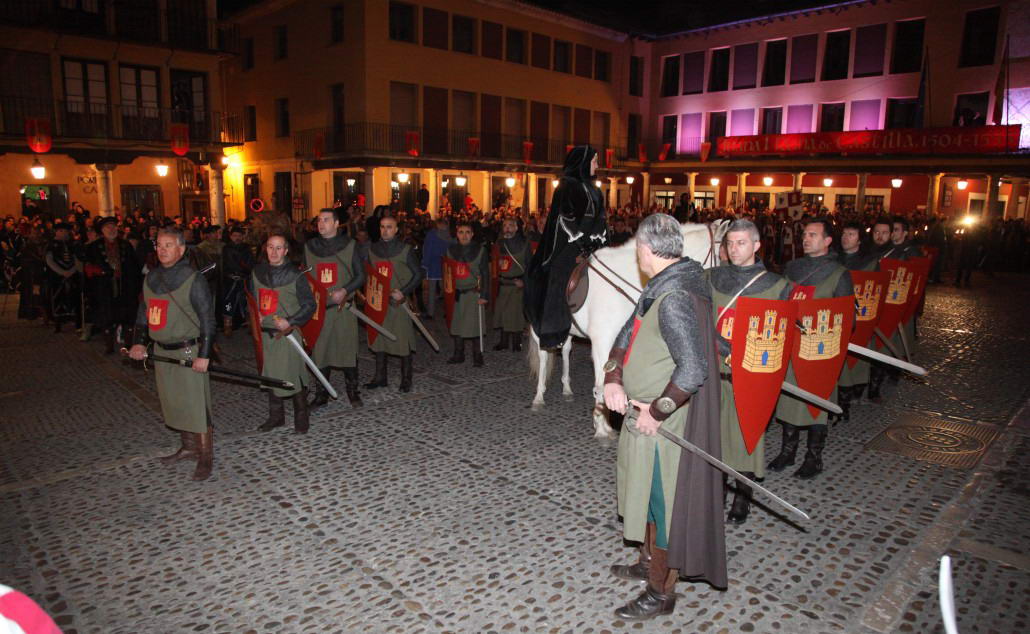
979	140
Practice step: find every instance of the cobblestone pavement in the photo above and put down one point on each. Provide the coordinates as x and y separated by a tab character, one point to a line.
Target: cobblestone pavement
456	508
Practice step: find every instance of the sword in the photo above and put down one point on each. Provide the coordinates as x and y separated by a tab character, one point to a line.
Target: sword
904	341
208	268
730	471
421	327
215	369
818	401
885	358
365	319
887	342
311	365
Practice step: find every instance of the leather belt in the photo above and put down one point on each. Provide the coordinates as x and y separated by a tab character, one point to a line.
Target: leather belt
178	345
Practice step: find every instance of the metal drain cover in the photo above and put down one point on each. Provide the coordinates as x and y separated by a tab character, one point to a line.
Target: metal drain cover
956	445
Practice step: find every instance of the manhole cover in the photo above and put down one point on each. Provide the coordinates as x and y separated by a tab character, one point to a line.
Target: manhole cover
957	445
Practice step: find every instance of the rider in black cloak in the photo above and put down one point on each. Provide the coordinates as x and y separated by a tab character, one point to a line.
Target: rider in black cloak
576	227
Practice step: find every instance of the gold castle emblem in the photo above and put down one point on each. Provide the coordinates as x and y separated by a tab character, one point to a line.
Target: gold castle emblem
726	331
868	297
328	276
266	302
763	349
823	341
901	283
375	293
154	316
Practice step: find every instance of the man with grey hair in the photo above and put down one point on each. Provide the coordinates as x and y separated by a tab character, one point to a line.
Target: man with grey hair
743	276
671	502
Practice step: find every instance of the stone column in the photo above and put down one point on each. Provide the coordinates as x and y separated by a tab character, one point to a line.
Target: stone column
216	191
645	195
485	200
368	188
532	196
933	196
741	188
613	192
105	191
993	182
691	183
1012	204
799	178
863	178
432	179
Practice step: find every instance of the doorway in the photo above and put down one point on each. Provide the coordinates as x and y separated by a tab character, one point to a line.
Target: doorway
49	201
145	197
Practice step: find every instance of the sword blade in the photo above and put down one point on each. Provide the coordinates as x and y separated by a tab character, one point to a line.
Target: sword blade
730	471
805	395
365	319
311	365
886	358
217	369
421	327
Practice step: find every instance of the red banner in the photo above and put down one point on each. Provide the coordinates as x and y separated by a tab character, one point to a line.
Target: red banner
527	152
609	156
310	331
254	321
377	294
473	146
761	332
318	148
978	140
450	267
180	134
820	348
641	152
411	140
706	150
870	293
37	133
920	276
664	154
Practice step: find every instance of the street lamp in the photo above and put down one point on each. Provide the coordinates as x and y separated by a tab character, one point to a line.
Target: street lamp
896	183
714	181
37	169
554	183
402	177
225	160
510	182
598	183
460	181
668	180
445	184
161	169
350	182
827	182
767	181
629	180
962	184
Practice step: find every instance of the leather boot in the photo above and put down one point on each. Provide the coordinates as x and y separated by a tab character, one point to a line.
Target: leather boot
788	449
321	394
227	326
301	414
658	599
876	377
638	571
350	377
858	393
276	413
205	455
844	396
741	501
187	449
406	370
477	356
459	351
502	343
516	341
379	380
813	464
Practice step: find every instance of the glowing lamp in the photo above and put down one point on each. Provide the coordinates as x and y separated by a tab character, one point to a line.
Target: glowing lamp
37	169
629	180
460	181
402	177
767	181
598	183
896	183
225	160
827	182
969	221
395	185
962	184
510	182
714	181
668	180
554	183
162	169
445	184
350	182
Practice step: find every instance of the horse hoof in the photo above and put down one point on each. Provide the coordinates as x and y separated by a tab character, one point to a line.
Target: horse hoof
567	396
536	407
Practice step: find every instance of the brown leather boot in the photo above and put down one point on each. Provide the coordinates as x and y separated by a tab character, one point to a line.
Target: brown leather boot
658	599
187	449
276	413
205	455
638	571
350	377
301	415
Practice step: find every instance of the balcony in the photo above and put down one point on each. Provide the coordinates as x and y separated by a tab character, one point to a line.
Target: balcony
384	139
75	120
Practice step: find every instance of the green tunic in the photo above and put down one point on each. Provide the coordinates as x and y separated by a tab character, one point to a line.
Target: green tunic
337	344
645	375
508	313
281	359
465	322
185	395
397	321
794	410
734	450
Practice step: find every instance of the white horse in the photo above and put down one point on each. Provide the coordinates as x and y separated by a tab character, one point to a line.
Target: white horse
615	283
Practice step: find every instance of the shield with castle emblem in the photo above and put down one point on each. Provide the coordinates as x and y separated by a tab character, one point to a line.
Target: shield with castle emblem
313	327
377	294
920	275
761	332
895	303
254	321
821	344
870	292
450	272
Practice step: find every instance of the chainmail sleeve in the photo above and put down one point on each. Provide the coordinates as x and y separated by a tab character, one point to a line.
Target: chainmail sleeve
307	302
417	273
679	327
204	305
844	285
357	265
484	274
622	339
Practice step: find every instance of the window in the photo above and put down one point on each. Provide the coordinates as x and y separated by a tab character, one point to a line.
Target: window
493	40
336	24
745	66
670	76
402	22
716	125
584	61
464	36
775	71
247	58
516	49
669	130
742	123
282	43
902	113
907	56
633	125
250	123
694	73
600	129
802	58
836	55
85	94
602	65
139	92
971	109
282	117
562	56
870	46
799	119
719	75
772	120
865	115
636	76
980	37
831	117
704	200
434	28
541	51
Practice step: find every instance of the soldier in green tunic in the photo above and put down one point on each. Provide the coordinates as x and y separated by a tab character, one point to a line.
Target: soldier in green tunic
743	276
663	356
336	265
471	291
817	275
285	302
852	381
512	255
178	315
407	277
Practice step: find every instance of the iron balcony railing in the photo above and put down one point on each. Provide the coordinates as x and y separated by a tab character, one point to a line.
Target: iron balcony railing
83	120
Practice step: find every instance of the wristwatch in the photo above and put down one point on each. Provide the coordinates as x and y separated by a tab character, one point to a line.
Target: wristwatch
665	405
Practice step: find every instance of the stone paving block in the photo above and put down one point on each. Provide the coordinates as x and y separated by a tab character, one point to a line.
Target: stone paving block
1002	516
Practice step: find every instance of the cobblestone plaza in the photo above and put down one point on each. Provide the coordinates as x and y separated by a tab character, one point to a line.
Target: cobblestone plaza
456	508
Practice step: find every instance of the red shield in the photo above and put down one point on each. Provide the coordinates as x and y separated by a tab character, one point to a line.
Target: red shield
268	301
313	327
899	287
819	350
180	133
37	133
377	294
449	274
706	150
920	275
870	292
254	321
759	355
327	274
157	314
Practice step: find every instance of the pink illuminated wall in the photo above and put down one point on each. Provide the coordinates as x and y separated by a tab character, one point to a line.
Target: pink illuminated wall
799	118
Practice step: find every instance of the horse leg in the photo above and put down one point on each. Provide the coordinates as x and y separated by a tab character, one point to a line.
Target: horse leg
566	383
541	378
602	430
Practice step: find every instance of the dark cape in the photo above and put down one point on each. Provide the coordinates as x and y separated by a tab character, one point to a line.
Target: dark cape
576	225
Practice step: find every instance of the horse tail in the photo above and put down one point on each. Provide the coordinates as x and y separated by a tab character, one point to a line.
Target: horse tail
533	357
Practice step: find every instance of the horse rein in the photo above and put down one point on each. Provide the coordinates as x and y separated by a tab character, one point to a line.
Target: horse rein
590	264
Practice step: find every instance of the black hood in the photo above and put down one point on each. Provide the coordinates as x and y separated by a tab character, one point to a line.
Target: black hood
577	163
